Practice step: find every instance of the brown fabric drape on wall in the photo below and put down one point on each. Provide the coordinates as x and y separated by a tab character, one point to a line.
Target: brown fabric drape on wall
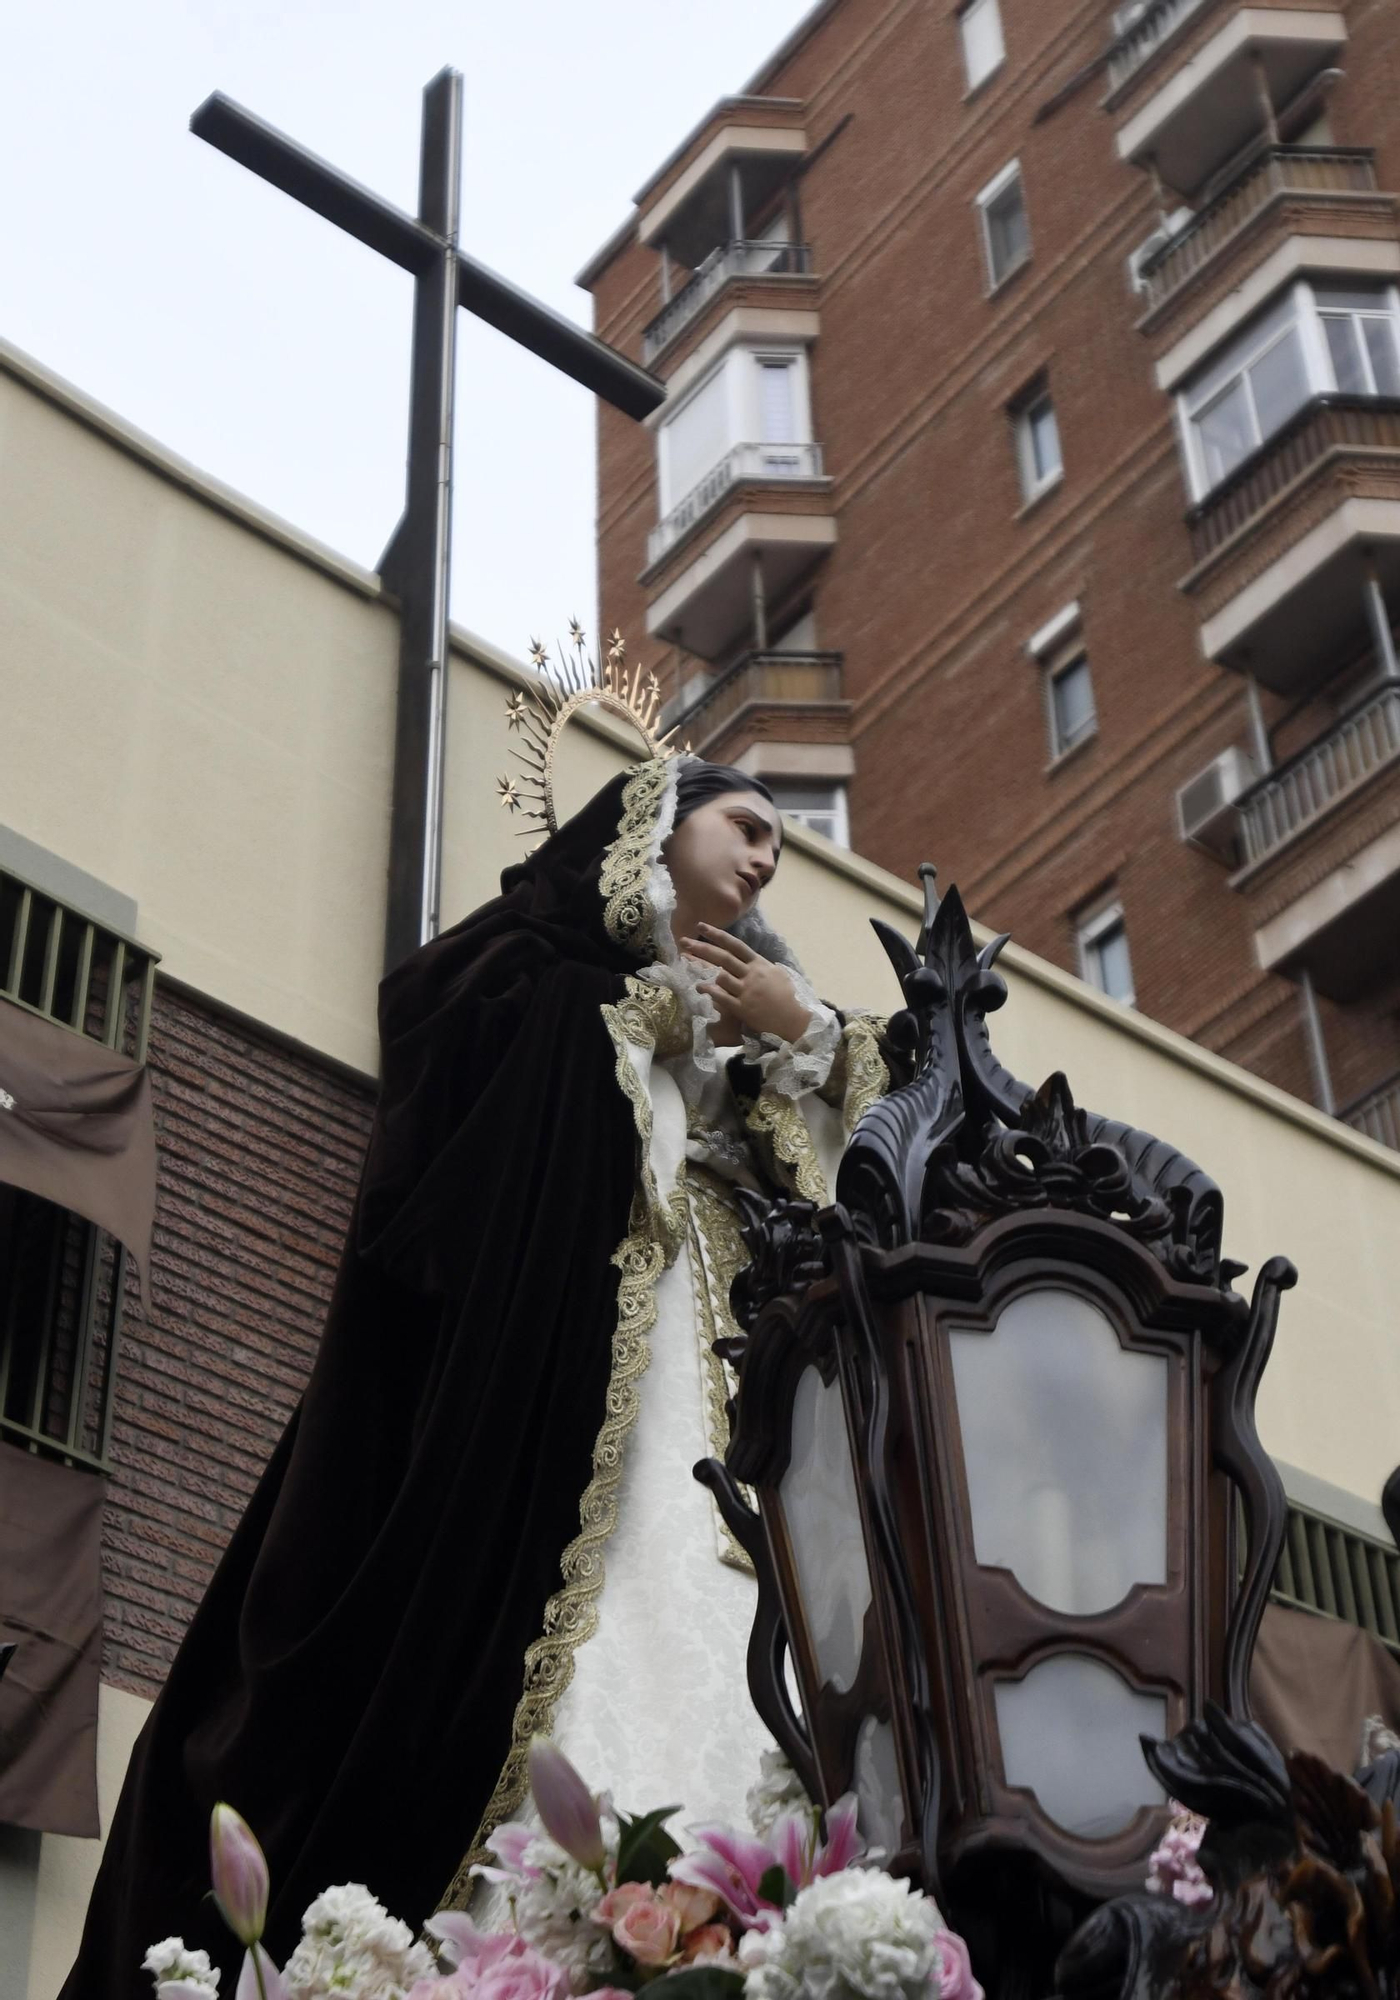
51	1606
1315	1680
76	1128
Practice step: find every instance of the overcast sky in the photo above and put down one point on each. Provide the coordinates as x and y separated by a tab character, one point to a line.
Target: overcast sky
252	337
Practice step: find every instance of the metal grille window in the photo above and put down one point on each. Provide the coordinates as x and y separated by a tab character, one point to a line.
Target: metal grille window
62	1280
1340	1573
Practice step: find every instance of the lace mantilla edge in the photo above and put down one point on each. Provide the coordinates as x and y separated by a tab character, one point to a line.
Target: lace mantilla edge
628	916
655	1233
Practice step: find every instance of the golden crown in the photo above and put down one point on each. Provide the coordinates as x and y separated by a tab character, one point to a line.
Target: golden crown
537	716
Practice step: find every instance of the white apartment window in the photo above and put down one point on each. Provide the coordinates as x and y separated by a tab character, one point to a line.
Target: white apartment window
695	438
1069	702
749	398
1361	342
983	47
1316	340
1006	235
820	806
1037	438
777	407
1103	953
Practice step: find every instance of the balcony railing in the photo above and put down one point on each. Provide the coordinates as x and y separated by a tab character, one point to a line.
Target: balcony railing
731	260
1325	423
61	1278
1377	1113
1144	33
760	678
745	461
1287	799
1278	170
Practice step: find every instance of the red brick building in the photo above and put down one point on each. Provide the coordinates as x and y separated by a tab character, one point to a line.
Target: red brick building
1027	496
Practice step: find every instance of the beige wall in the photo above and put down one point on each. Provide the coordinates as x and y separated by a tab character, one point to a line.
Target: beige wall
198	710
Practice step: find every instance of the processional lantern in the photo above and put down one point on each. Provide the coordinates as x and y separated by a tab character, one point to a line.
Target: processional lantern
995	1411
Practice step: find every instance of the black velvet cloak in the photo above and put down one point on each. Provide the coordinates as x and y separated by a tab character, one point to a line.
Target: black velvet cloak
350	1679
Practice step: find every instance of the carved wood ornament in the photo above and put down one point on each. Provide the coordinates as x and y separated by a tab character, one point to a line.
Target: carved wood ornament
961	1191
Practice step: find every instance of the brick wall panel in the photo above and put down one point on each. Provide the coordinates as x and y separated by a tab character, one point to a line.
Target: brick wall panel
259	1153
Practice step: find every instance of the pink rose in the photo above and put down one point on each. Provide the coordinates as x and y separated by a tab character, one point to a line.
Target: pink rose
647	1931
710	1941
693	1906
619	1901
955	1980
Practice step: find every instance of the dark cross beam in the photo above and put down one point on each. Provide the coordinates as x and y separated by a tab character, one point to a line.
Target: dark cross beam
417	564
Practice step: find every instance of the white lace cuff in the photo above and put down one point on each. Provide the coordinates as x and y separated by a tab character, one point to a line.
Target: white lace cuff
794	1069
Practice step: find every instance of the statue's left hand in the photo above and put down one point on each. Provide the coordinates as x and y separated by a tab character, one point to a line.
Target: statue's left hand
749	990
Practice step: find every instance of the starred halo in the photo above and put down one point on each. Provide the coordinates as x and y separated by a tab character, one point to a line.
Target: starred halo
536	717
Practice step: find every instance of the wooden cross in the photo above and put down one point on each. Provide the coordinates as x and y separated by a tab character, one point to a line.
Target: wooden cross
416	566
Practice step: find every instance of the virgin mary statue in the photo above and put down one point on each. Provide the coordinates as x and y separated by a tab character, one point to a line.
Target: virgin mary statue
481	1522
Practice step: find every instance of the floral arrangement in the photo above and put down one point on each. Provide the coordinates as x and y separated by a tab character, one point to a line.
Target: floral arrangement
1173	1868
599	1902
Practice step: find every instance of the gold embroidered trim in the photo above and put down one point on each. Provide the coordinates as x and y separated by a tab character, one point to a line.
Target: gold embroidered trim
867	1073
628	915
718	1255
655	1232
780	1121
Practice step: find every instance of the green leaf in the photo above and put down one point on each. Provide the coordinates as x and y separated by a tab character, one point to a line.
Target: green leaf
775	1886
702	1982
644	1847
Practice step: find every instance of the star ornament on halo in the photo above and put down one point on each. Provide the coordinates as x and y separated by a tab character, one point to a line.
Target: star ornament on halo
536	716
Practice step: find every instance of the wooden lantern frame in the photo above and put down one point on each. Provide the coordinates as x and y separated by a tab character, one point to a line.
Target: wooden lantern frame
960	1191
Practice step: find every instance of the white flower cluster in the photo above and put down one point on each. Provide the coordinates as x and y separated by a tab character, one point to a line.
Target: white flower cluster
857	1935
552	1911
351	1945
778	1791
171	1960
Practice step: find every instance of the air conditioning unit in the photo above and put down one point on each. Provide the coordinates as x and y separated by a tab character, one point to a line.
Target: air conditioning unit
1205	806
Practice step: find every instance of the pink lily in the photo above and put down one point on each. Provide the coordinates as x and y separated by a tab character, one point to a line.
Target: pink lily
508	1843
732	1865
567	1809
258	1978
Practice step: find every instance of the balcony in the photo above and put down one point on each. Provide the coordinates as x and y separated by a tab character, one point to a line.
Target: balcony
1226	87
781	685
734	164
1309	784
1146	29
1281	545
730	262
1313	176
744	464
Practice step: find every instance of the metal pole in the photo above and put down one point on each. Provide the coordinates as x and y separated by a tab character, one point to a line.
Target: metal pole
665	276
1258	731
1380	624
736	204
760	605
1266	99
1317	1048
415	858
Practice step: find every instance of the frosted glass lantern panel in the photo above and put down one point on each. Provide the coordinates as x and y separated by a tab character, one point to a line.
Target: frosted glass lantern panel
1065	1442
880	1813
818	1494
1069	1733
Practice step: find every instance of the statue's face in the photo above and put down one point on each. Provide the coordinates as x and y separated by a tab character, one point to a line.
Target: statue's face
721	856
